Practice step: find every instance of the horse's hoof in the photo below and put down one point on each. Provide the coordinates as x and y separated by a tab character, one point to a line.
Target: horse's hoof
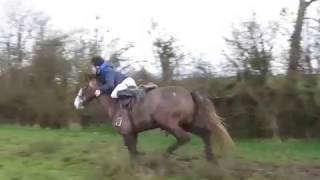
135	158
141	153
213	161
170	153
166	155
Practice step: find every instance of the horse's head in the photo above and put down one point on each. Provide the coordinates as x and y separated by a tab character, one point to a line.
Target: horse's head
86	93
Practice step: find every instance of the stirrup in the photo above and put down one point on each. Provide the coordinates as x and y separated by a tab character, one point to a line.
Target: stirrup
118	122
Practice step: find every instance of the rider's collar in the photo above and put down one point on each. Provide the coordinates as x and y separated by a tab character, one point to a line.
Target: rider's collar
99	68
103	65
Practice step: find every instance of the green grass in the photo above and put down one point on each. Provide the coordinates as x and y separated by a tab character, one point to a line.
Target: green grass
276	152
98	153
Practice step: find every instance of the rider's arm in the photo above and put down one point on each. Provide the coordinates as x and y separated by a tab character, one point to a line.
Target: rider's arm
109	82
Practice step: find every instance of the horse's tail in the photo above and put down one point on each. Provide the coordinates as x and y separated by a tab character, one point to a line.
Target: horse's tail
206	112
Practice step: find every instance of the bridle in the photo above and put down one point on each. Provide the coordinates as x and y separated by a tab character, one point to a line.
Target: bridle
81	100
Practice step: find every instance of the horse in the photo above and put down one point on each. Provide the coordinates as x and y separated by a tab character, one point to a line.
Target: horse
173	109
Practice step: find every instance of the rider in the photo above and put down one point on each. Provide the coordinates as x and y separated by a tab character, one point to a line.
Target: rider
112	81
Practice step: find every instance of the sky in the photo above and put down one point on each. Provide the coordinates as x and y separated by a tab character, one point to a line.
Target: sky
199	25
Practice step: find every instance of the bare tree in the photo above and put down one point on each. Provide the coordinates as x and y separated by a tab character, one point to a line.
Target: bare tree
251	50
295	52
19	31
166	52
23	26
250	55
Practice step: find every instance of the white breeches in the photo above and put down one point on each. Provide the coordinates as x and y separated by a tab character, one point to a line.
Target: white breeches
122	86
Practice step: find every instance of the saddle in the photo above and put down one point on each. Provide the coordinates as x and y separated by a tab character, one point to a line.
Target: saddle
132	94
127	98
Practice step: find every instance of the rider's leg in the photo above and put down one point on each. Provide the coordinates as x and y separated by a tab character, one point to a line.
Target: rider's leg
119	87
129	82
122	86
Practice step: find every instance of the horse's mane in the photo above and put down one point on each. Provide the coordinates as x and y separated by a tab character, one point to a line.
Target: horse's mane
89	76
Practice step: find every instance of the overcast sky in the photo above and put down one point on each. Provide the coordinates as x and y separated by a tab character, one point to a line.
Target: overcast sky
198	24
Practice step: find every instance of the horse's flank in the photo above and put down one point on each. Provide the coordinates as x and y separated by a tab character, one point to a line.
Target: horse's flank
163	106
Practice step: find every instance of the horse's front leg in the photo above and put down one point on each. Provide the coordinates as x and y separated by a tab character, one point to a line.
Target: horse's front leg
135	135
130	141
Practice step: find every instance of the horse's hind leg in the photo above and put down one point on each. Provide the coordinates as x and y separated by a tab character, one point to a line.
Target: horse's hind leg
205	135
206	138
181	136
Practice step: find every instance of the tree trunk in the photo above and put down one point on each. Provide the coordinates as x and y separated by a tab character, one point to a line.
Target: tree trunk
166	69
19	47
295	44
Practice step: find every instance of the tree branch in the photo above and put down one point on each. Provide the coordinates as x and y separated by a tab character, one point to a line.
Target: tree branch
314	19
310	2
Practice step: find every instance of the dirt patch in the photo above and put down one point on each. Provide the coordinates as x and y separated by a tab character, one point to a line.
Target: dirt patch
241	169
235	169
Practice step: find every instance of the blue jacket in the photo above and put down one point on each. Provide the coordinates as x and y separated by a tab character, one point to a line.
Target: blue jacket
109	77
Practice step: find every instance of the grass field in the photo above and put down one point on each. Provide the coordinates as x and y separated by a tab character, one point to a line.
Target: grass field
98	153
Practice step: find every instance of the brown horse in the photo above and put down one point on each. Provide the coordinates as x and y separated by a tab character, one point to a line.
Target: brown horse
173	109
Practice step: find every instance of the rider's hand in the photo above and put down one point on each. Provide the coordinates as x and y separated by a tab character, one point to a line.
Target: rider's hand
97	92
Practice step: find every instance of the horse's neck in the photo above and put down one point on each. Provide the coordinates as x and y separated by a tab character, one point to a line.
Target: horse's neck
108	104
